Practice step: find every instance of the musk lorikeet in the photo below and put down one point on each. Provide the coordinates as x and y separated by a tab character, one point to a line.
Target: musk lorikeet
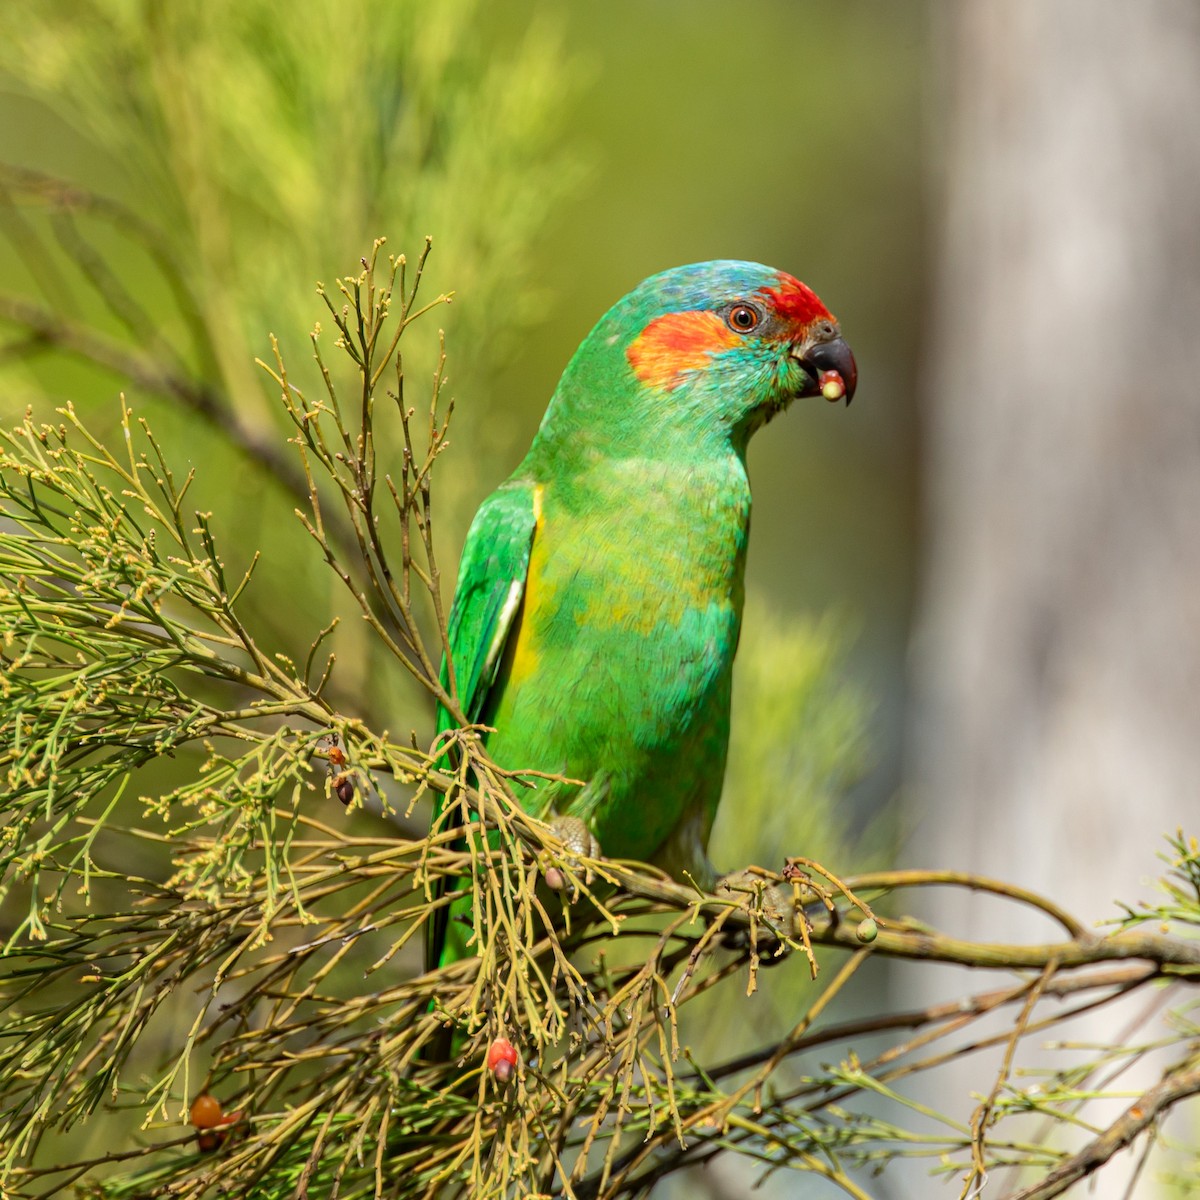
600	591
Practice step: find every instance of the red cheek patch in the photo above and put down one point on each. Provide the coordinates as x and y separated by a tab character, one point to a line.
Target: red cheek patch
678	342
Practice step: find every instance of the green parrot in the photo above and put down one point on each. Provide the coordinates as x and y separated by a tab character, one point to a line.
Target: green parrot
600	592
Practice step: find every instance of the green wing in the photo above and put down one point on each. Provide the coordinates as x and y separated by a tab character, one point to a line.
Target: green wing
491	584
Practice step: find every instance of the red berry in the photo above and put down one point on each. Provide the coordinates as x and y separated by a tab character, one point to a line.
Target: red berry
502	1057
206	1111
211	1122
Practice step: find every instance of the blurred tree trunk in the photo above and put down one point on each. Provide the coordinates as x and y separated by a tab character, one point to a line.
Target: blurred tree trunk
1057	660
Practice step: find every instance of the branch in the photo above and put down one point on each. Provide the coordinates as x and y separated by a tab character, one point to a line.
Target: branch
891	880
898	940
63	198
1176	1085
1117	978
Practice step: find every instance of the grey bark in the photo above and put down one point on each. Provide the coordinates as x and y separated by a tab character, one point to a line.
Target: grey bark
1057	657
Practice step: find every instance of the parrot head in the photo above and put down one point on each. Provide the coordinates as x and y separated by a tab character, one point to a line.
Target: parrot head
715	348
740	326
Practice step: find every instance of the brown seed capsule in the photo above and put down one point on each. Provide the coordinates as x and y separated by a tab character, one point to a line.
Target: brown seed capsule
343	787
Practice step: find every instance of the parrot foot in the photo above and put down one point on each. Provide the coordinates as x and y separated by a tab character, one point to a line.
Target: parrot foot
578	839
770	902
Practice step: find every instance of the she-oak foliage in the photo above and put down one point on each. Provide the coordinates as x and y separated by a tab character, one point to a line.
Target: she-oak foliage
263	963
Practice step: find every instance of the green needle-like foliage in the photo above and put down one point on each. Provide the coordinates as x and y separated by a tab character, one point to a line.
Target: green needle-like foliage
235	933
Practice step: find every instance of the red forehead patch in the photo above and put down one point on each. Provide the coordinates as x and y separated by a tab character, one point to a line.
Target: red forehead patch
795	302
678	342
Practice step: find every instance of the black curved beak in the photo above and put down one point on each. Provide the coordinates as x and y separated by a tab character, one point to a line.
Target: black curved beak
824	359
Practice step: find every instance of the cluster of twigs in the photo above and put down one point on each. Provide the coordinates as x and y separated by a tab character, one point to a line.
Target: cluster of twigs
264	952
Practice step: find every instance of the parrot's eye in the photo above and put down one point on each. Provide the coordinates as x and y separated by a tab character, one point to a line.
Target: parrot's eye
743	318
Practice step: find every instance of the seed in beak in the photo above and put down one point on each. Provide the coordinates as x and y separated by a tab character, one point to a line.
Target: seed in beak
833	386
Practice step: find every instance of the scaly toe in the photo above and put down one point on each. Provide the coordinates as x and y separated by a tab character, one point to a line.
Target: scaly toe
578	839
